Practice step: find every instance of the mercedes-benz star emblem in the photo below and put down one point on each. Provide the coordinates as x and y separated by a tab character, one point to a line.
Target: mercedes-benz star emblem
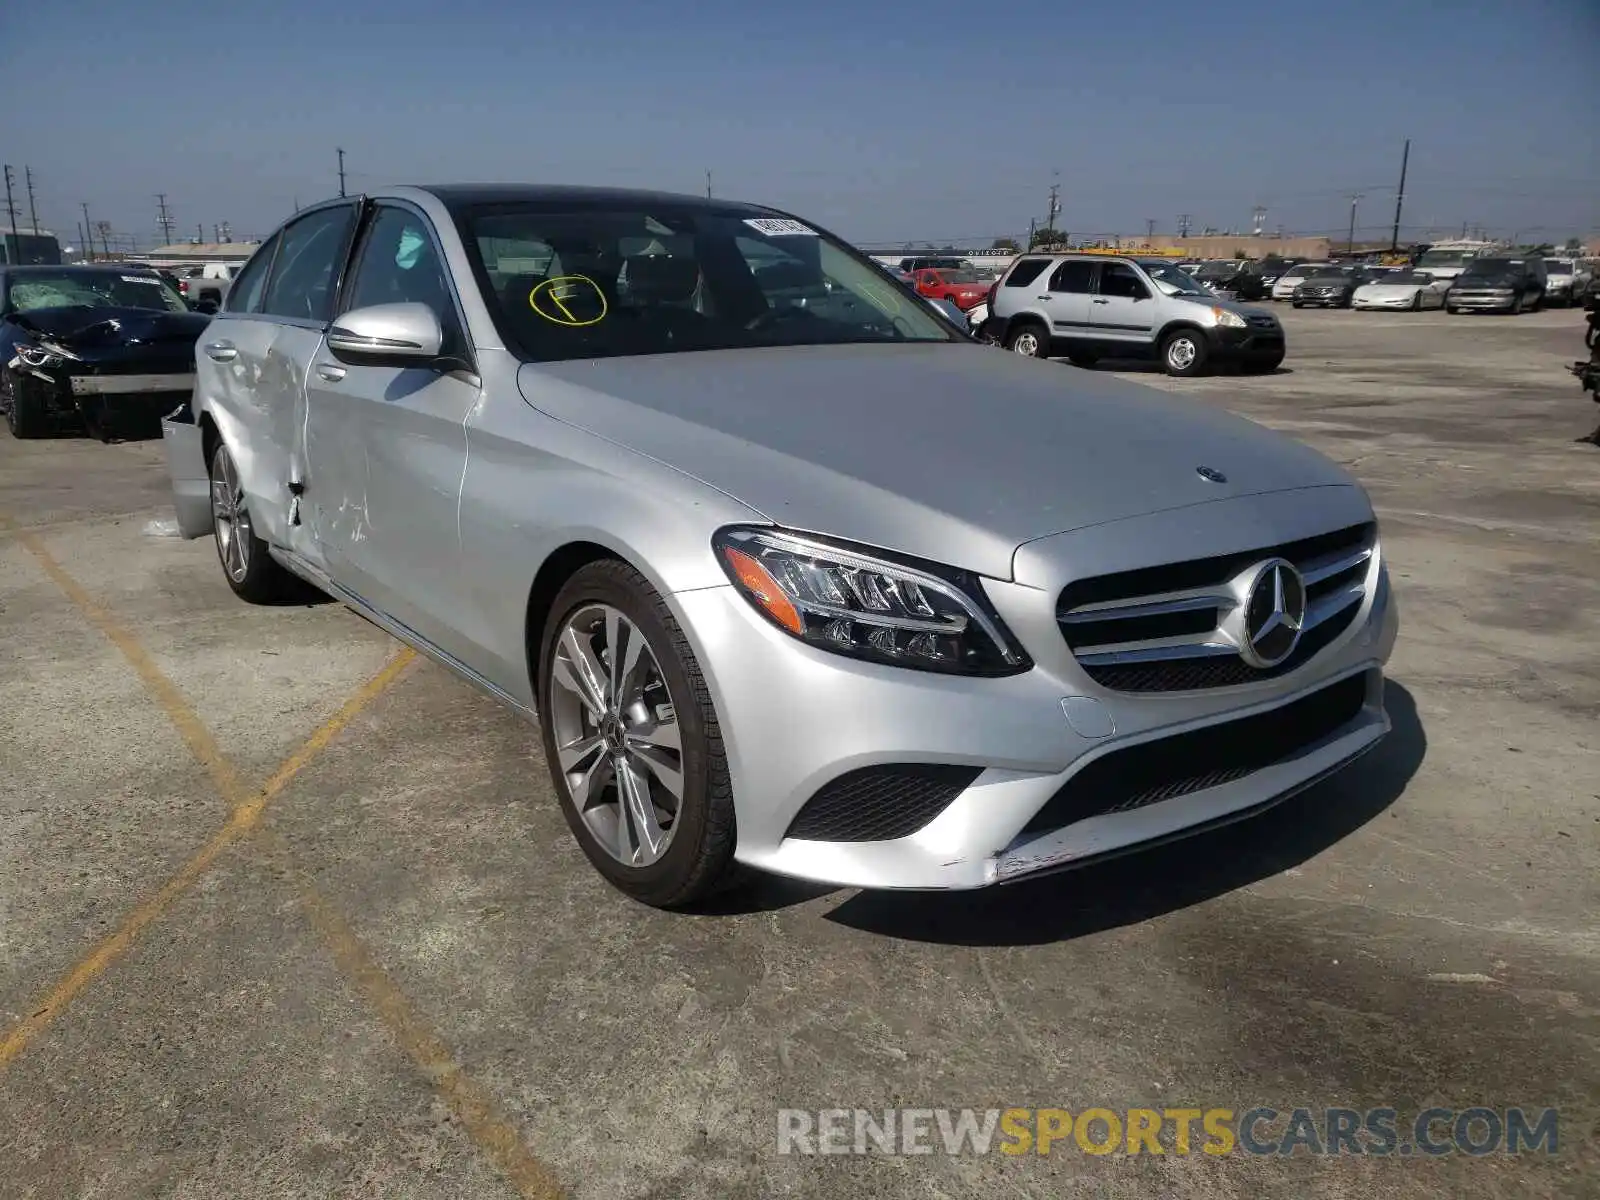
1274	612
1211	475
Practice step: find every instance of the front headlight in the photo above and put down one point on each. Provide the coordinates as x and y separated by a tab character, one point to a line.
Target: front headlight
1227	317
852	601
39	356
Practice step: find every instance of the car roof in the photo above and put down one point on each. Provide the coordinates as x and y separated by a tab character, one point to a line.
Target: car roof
458	196
85	268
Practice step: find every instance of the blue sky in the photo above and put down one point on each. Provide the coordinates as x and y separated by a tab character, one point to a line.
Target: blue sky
883	121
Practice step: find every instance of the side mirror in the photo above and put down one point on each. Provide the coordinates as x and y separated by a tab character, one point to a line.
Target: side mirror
387	335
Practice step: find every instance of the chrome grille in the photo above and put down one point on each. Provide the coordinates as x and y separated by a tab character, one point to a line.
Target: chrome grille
1175	627
1263	322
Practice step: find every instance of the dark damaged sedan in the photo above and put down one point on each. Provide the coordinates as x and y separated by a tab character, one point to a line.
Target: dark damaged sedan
105	349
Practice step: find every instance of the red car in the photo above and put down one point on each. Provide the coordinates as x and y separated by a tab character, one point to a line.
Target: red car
963	288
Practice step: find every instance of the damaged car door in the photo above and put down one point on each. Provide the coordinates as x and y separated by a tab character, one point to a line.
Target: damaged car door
252	365
388	395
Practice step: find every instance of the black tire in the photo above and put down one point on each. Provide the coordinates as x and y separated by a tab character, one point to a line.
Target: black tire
24	414
1184	353
698	861
1452	310
1416	302
1297	303
1028	334
261	580
1084	359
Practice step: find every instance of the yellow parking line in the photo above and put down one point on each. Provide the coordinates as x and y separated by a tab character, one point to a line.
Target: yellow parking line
183	717
472	1104
244	817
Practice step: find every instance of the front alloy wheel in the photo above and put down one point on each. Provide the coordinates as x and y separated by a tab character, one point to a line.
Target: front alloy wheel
1029	342
632	739
1184	353
617	738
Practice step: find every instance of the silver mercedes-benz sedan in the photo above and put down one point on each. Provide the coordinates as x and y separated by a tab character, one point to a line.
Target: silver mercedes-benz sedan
788	571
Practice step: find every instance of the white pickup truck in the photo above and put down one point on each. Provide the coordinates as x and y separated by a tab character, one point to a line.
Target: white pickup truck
207	281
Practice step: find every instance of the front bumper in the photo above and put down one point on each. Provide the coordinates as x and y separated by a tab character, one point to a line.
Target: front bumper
1483	301
1253	343
1322	299
795	719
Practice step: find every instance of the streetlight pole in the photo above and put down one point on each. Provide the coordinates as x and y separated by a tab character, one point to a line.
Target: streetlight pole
1350	243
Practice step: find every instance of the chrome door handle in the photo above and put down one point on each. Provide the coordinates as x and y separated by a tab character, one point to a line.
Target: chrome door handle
221	351
330	372
1041	297
1098	300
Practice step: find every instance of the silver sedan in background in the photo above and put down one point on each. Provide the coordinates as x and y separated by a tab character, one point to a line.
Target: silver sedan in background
787	570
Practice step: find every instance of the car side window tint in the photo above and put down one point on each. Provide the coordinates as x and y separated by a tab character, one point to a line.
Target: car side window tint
1026	271
244	296
1119	279
306	270
400	263
1073	277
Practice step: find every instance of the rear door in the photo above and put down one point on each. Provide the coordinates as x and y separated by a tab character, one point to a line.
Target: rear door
387	445
1066	299
1123	307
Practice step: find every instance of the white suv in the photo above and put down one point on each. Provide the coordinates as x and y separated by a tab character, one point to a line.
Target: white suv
1089	307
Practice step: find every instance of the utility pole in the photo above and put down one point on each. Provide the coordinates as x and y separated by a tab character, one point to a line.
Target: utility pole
708	184
88	235
1399	199
105	236
1350	245
1055	206
199	234
1149	230
216	233
33	213
341	171
83	242
164	220
12	209
1183	225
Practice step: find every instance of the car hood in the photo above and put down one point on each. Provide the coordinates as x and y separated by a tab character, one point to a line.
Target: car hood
1388	291
954	453
86	330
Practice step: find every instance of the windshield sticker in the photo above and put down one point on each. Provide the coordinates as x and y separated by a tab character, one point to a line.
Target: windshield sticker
780	227
569	300
880	297
153	280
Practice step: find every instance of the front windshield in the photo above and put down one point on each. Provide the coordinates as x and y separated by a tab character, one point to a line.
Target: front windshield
1217	270
1444	258
1174	282
565	283
1554	266
1489	270
1405	277
92	289
1301	271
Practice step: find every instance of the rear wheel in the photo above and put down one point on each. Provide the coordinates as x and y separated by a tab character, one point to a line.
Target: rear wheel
252	572
632	740
1416	302
1029	340
1183	353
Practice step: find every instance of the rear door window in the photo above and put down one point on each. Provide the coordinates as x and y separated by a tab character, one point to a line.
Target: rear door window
1074	277
245	294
